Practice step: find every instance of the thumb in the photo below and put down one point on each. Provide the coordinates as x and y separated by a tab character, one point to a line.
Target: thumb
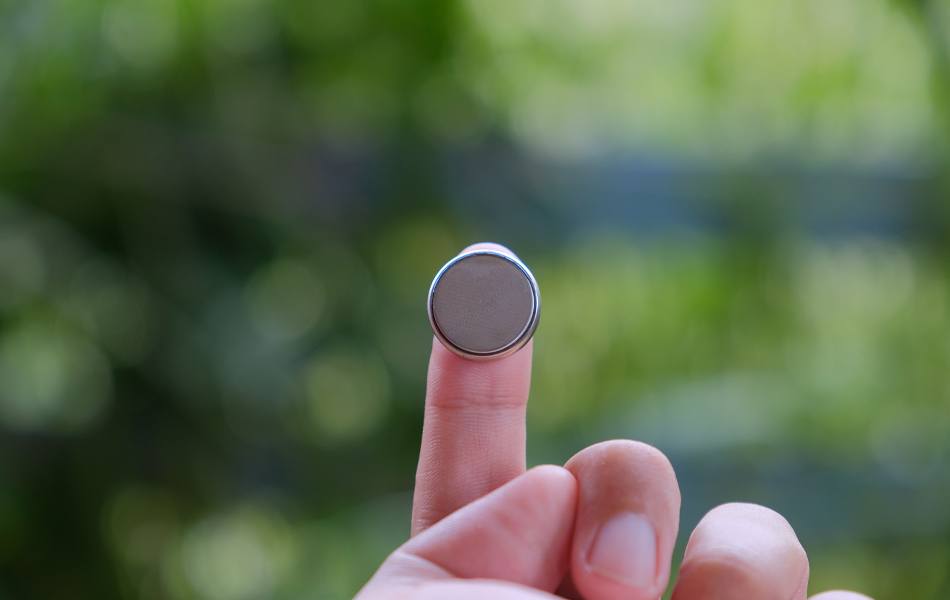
518	533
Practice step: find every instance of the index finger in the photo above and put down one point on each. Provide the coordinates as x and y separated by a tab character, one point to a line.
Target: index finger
473	435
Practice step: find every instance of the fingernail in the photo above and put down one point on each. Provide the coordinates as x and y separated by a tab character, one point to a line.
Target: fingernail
625	550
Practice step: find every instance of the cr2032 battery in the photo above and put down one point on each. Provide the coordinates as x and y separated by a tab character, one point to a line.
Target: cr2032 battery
484	303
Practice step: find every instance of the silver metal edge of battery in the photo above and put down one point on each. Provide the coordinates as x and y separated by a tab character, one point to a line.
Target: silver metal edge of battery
520	340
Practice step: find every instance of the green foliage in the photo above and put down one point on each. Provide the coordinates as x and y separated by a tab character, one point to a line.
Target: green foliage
219	218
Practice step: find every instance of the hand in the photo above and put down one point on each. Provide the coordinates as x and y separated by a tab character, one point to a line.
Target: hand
603	527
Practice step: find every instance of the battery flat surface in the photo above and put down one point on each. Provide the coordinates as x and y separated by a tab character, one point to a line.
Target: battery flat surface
482	303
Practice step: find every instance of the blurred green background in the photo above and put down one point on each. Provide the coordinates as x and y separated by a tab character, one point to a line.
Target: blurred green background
219	220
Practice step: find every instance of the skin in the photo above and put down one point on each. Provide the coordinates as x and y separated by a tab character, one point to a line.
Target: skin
602	527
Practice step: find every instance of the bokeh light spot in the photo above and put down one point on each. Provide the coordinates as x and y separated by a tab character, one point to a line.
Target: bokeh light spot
285	299
347	394
114	309
239	555
51	379
142	32
22	268
141	524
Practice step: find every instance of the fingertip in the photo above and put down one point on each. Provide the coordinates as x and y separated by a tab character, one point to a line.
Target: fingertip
550	471
621	454
441	358
547	488
740	551
490	247
519	532
627	520
478	590
553	479
840	595
741	526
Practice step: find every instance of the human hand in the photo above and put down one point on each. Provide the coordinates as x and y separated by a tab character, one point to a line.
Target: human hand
603	527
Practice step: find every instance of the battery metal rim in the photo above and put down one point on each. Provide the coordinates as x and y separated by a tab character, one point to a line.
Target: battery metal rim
515	344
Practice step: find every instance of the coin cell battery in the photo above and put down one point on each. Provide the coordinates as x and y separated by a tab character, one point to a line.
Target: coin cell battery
484	305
